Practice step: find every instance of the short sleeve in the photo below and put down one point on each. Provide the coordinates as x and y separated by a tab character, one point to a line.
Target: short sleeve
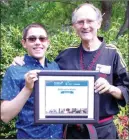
10	86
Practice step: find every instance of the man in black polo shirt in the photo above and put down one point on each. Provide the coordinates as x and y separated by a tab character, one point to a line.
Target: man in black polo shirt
94	54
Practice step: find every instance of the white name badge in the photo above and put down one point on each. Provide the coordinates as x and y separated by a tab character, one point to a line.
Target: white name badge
103	68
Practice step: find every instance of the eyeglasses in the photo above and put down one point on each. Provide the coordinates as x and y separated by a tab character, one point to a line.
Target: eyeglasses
32	39
82	22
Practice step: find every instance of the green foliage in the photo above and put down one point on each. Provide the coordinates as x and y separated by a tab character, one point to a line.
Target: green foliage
61	41
16	14
122	122
10	46
8	131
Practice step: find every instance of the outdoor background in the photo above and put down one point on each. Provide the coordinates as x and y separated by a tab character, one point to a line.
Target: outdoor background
56	16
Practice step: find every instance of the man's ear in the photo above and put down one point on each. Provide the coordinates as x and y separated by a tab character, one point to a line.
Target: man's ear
23	43
74	29
73	26
48	42
99	25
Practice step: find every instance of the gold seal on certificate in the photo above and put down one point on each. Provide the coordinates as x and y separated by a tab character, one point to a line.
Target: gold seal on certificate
66	97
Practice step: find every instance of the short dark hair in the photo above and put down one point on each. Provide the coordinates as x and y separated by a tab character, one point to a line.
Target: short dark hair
25	31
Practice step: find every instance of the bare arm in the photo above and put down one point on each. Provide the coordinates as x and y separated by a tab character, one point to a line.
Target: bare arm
10	109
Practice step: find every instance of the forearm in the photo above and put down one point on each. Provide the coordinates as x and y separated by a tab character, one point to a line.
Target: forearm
115	92
10	109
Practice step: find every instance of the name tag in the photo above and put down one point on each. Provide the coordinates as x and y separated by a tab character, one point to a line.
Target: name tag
103	68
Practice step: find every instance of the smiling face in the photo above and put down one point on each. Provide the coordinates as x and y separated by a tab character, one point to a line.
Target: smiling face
86	23
36	42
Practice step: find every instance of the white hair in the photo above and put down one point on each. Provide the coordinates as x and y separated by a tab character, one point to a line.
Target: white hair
98	12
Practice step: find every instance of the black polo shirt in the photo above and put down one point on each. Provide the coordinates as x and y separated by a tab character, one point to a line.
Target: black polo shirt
111	67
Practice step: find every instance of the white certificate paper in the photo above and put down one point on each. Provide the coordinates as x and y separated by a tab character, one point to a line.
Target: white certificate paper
66	94
67	97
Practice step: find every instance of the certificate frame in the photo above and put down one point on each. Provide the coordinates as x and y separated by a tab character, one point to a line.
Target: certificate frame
66	96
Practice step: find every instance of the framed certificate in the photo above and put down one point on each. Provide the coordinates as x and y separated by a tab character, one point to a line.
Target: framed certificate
66	97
